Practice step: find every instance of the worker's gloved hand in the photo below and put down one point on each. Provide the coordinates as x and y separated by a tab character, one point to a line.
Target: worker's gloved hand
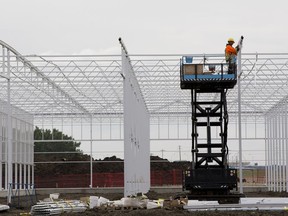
237	48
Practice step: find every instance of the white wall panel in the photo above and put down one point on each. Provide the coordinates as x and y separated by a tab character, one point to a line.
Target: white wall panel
136	134
20	154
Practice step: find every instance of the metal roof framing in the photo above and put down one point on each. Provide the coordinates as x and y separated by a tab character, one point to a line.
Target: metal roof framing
93	85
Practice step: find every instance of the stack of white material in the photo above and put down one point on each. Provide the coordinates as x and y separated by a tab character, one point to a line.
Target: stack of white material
95	201
57	208
264	200
4	207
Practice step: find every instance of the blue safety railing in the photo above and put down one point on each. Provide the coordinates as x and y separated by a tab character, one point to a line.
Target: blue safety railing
198	74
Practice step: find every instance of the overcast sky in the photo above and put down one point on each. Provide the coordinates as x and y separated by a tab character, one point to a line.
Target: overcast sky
146	26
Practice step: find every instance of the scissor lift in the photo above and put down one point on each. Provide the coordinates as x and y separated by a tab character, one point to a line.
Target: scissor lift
210	177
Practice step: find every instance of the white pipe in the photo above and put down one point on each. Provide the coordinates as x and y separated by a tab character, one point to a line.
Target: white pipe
266	151
270	152
277	150
9	129
239	121
286	142
91	150
274	152
1	125
283	148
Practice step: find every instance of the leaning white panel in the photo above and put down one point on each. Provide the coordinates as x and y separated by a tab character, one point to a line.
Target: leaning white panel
136	133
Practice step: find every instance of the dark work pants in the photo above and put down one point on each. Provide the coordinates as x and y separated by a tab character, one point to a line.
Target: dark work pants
232	68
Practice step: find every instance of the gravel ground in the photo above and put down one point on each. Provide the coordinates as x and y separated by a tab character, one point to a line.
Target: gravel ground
145	212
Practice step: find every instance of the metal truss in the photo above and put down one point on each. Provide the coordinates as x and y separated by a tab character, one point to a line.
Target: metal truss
85	93
263	84
93	85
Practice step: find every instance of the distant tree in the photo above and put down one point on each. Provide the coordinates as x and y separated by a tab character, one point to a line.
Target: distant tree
66	154
68	146
54	151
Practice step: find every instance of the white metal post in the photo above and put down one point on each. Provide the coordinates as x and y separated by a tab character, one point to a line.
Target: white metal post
283	147
4	124
239	121
91	151
270	151
30	140
9	129
266	150
274	151
1	148
277	149
15	152
286	140
16	174
29	174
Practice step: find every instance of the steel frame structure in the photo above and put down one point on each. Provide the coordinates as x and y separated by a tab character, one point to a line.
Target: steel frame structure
277	146
77	92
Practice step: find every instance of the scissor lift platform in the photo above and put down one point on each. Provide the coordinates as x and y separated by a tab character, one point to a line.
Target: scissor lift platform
206	76
210	176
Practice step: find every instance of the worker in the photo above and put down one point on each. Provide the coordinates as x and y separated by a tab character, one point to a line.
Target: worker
231	56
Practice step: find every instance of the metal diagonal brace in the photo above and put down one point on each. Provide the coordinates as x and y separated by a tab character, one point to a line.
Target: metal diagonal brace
40	74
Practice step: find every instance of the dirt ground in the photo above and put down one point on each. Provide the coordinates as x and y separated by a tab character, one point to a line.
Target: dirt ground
144	212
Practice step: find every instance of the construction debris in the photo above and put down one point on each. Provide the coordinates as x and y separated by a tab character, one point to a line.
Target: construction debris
58	207
137	202
54	206
4	207
175	203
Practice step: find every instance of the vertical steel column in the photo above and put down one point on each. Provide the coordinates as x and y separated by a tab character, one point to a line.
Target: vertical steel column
2	125
266	150
31	161
239	68
280	148
15	173
274	151
269	149
9	128
91	151
283	146
15	151
30	140
268	146
277	150
286	140
1	148
29	174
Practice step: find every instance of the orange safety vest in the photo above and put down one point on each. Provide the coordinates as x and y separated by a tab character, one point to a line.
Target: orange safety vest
230	52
